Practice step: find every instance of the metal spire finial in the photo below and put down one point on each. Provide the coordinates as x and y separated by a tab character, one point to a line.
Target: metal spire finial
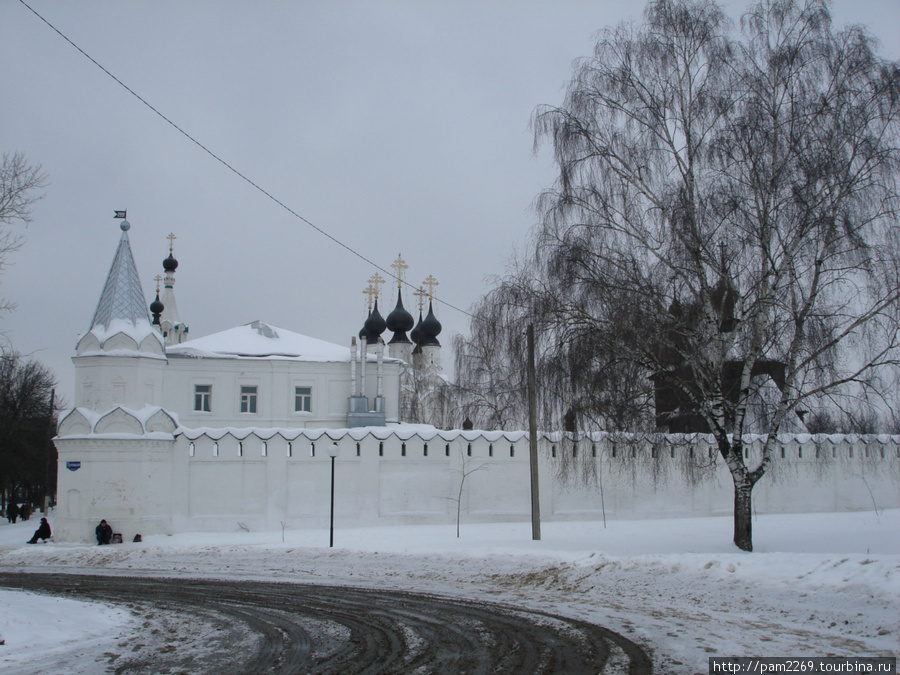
171	239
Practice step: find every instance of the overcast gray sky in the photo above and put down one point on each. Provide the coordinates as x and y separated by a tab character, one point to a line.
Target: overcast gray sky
397	127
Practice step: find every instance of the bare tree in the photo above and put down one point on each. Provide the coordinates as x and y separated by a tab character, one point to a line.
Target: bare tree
725	214
490	363
20	184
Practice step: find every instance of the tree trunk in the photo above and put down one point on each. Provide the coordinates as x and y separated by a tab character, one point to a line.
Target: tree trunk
743	525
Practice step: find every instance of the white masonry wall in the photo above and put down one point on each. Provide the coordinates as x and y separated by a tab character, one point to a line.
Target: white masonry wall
235	479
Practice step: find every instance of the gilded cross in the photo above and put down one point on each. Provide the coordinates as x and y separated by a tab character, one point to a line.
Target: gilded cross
399	266
372	292
158	279
376	280
420	294
431	282
171	239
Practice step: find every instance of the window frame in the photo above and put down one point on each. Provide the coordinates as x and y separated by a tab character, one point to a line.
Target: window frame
203	397
303	398
249	399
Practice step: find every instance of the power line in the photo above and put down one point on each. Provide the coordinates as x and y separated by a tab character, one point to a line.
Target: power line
229	166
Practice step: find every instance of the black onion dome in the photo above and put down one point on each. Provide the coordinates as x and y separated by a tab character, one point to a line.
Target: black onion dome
675	309
399	321
362	331
431	328
170	264
156	308
416	333
374	325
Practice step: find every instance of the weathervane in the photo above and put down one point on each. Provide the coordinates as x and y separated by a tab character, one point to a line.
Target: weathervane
399	266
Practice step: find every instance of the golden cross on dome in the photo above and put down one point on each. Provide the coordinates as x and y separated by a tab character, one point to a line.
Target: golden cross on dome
158	279
431	282
171	239
376	280
399	266
372	292
420	294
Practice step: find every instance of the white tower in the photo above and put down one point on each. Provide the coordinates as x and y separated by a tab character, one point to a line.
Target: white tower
120	360
173	329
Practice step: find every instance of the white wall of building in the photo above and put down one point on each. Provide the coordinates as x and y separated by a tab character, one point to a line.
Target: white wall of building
275	380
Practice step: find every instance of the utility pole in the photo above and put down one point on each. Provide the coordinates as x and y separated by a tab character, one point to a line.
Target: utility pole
532	439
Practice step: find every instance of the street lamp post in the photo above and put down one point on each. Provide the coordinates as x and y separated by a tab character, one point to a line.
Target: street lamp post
333	453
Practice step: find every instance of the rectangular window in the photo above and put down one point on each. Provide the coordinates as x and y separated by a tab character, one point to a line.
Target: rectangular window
248	399
202	397
302	399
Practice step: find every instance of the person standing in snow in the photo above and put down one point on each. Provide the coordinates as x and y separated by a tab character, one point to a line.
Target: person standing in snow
12	512
25	511
104	533
43	532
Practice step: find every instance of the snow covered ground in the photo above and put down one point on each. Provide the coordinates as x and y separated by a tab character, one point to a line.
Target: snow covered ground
817	585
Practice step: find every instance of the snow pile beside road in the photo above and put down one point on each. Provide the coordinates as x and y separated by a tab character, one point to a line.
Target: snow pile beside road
46	634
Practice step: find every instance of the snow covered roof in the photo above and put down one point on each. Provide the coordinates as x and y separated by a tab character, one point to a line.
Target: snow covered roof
261	340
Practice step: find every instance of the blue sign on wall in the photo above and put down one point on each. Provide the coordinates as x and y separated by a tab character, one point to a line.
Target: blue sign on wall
73	466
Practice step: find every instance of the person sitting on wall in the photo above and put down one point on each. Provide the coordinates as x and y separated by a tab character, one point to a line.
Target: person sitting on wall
104	533
43	532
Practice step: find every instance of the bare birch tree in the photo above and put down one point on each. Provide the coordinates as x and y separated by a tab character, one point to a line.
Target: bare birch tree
726	208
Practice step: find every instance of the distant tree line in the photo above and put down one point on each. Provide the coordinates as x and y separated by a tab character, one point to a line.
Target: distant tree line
27	425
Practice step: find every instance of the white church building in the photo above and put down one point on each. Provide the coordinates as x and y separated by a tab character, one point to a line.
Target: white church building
241	430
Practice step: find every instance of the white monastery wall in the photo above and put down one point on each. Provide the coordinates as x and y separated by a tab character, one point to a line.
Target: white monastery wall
257	479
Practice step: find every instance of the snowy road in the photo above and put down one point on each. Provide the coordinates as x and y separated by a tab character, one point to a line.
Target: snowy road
209	626
818	585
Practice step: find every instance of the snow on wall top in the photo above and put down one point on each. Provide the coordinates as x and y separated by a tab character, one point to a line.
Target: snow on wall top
136	330
261	340
119	422
427	432
404	432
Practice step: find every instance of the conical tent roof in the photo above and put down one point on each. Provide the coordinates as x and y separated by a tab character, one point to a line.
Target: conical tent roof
122	296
